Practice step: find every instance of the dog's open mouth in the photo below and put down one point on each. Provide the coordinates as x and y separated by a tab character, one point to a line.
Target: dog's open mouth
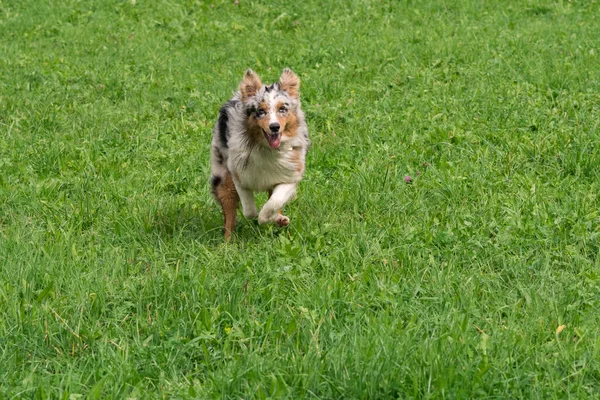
274	139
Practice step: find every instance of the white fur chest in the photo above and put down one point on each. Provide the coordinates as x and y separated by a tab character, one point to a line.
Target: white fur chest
260	169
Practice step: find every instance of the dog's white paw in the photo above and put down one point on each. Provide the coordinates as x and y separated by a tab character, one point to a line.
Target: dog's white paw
282	220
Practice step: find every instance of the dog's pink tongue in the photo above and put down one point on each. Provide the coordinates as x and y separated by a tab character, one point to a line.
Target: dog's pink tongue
274	141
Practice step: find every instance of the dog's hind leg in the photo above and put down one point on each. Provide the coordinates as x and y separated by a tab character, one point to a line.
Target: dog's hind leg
225	192
278	197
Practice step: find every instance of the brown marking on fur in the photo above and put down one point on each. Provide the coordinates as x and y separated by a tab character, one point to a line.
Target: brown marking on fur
227	195
296	159
290	82
250	84
290	124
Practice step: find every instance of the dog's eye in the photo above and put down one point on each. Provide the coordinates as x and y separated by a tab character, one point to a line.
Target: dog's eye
261	113
282	110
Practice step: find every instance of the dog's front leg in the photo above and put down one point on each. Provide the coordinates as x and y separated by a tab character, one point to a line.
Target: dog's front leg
247	199
280	195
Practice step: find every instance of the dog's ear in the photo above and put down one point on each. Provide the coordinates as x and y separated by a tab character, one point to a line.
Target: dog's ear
289	82
250	84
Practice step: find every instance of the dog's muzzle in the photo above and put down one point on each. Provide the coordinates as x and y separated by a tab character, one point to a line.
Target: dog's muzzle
274	139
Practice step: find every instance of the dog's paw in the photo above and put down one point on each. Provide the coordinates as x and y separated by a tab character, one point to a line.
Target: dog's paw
282	220
267	216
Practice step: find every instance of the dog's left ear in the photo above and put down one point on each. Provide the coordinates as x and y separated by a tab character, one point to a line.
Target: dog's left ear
290	82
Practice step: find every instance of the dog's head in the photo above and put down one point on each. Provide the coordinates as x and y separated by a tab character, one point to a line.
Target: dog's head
272	109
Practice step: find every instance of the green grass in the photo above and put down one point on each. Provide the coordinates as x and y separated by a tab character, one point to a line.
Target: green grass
115	283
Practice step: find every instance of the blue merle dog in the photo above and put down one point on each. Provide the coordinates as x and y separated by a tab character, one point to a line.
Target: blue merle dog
259	144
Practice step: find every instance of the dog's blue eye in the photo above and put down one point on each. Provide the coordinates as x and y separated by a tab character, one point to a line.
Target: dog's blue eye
282	109
261	113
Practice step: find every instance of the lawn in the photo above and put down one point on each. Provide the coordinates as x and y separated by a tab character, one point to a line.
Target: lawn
479	278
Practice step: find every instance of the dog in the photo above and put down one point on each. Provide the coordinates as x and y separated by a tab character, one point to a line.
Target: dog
259	144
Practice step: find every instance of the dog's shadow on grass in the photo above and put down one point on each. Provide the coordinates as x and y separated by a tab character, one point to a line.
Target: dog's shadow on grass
200	222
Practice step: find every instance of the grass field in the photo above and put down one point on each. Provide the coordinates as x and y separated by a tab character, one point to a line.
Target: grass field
480	279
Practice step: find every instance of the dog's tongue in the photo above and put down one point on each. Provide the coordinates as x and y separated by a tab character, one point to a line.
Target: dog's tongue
274	141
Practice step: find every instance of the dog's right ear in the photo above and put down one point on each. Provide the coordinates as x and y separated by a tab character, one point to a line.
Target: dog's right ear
250	84
289	82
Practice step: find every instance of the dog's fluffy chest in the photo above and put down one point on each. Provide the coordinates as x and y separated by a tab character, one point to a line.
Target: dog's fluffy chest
260	169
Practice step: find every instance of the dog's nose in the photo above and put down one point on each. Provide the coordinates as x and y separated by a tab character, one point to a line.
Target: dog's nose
274	127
